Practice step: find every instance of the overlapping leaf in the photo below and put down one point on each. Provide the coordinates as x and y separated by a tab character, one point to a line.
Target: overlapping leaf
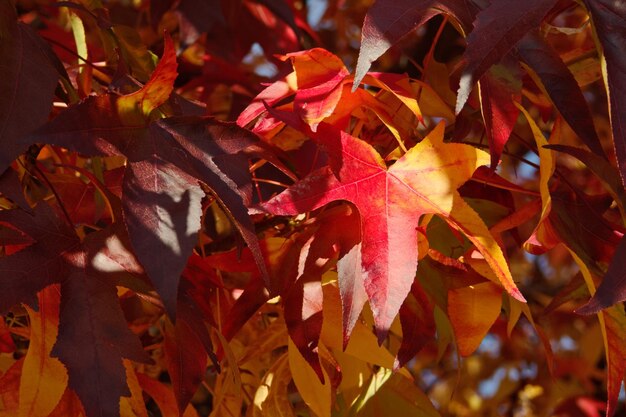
499	88
388	21
496	31
390	203
93	335
27	83
161	194
609	19
561	86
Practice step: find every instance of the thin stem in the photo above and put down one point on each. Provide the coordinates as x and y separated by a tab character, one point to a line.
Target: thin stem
54	192
277	183
431	52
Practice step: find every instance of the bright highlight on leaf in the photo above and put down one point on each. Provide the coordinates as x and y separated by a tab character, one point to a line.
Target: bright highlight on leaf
390	203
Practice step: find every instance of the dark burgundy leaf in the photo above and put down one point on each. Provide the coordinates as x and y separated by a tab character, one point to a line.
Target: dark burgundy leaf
496	31
185	358
190	146
44	262
27	83
162	210
561	86
612	290
92	127
577	221
609	19
93	338
388	21
599	166
93	335
418	324
11	188
197	17
209	149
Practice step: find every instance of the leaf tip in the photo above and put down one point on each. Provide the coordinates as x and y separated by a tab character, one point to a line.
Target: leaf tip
517	294
591	307
465	88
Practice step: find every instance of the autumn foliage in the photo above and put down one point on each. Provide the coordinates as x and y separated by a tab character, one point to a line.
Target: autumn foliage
312	208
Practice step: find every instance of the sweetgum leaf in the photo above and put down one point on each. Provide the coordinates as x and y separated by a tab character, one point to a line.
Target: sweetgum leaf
320	75
609	20
499	88
162	212
304	317
388	21
11	187
561	86
390	203
418	324
44	379
174	150
93	334
30	270
606	172
496	31
160	85
612	290
185	358
27	83
472	311
210	150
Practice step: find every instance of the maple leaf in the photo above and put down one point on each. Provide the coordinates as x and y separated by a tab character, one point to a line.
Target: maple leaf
185	358
612	290
11	187
166	159
499	87
418	324
496	31
25	273
561	86
320	75
93	334
390	203
609	20
472	311
44	379
27	83
388	21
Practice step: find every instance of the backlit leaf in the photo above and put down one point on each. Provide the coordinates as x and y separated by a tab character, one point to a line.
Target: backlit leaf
316	394
388	21
27	83
496	31
561	86
44	379
500	87
472	311
158	89
390	203
609	20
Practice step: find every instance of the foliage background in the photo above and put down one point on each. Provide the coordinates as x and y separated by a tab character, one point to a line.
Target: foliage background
468	347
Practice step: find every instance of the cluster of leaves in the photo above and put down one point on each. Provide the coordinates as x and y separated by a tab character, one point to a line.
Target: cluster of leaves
244	227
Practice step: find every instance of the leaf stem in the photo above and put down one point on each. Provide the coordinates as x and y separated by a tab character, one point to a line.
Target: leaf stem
54	192
431	51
